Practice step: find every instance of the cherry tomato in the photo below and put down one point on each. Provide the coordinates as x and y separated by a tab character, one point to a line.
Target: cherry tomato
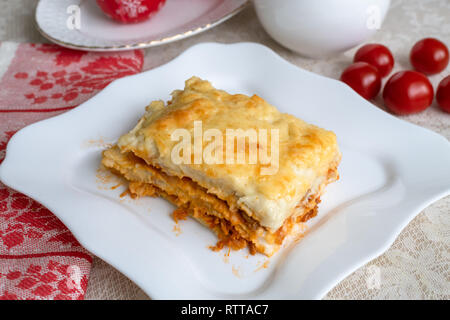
429	56
443	94
377	55
408	92
130	11
363	78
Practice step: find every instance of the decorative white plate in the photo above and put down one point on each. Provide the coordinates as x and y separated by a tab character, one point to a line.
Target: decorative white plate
390	171
178	19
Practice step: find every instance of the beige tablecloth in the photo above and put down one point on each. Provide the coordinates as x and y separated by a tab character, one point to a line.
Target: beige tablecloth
417	264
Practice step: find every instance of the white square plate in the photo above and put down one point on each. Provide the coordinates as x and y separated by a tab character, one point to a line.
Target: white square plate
390	171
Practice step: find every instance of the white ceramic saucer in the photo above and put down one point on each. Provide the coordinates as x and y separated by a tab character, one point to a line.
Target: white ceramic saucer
178	19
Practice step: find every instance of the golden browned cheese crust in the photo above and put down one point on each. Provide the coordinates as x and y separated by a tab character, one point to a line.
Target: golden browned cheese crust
306	152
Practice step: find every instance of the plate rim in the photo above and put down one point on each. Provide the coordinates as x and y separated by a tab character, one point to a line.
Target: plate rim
371	254
138	45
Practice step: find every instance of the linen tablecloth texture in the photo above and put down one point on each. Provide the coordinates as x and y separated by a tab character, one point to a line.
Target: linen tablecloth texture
417	264
39	257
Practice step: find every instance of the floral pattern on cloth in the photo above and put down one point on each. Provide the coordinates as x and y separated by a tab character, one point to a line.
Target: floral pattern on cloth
39	257
59	77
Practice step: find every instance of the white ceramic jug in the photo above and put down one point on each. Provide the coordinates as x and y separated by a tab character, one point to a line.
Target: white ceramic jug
318	28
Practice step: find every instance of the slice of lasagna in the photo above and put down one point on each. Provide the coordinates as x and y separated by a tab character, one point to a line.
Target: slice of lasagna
233	162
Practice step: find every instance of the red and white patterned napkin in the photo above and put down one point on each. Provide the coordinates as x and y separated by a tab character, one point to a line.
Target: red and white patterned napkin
39	257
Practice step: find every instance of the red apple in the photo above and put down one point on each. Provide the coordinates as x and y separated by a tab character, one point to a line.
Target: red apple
130	11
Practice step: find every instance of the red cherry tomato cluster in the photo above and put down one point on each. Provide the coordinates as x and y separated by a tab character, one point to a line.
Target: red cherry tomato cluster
127	11
405	92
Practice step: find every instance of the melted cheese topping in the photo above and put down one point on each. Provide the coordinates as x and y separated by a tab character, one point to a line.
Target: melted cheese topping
306	152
